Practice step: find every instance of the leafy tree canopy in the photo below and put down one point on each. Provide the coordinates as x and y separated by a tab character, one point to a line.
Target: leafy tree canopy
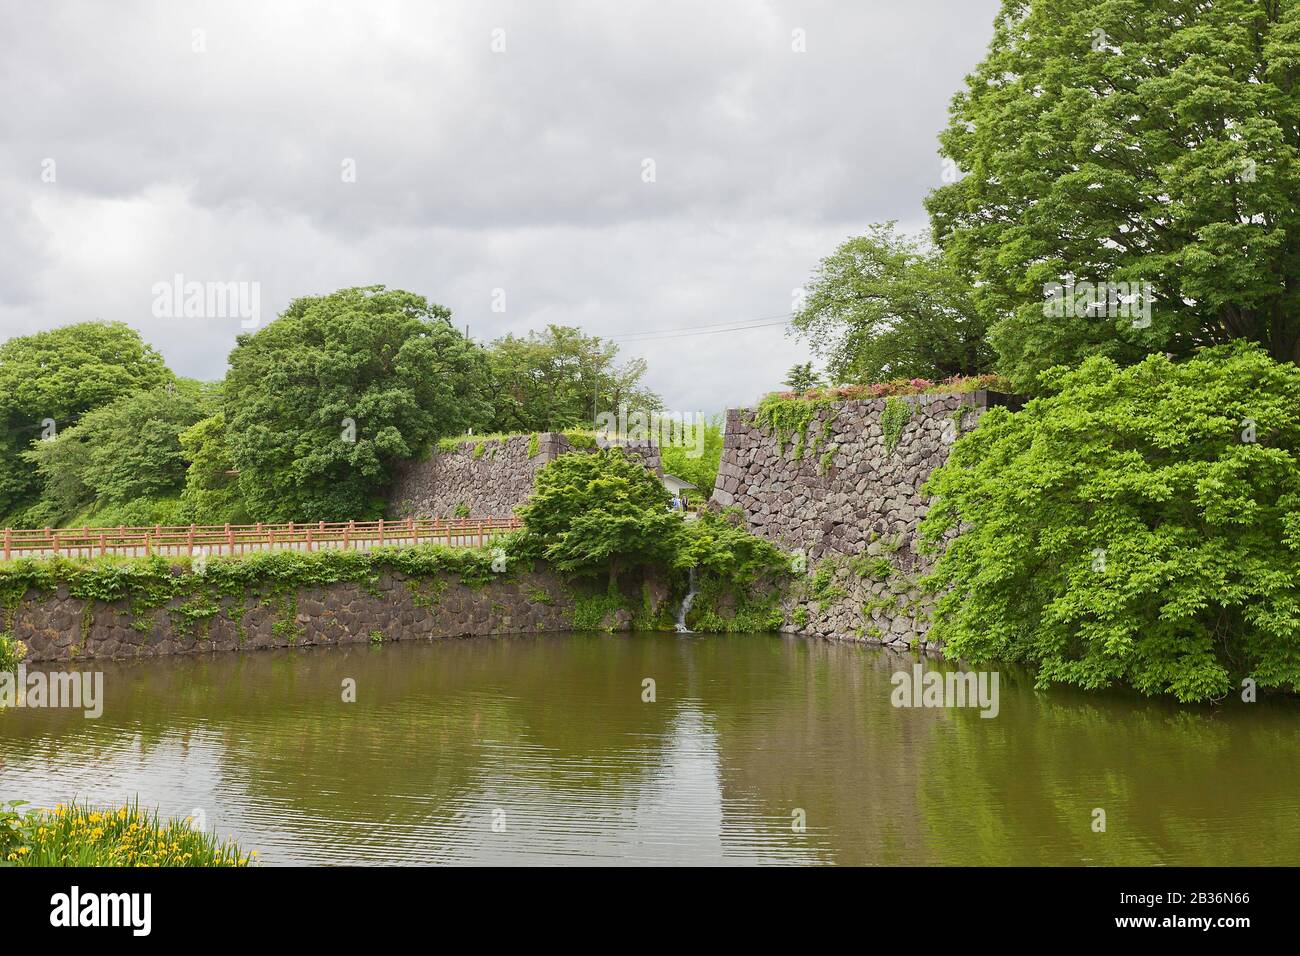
211	494
126	450
885	306
323	401
700	469
593	511
560	378
59	375
1137	525
1147	141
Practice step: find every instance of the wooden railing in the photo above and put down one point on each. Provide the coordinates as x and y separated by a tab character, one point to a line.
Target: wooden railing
230	539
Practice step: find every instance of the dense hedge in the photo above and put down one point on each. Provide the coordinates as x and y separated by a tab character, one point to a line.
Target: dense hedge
1137	525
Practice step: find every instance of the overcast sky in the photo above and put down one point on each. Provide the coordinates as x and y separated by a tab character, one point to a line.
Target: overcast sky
216	141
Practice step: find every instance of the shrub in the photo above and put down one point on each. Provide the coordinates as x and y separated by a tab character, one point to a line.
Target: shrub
1136	525
598	511
720	546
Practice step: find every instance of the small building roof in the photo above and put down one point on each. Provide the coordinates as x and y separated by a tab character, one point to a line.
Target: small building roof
681	484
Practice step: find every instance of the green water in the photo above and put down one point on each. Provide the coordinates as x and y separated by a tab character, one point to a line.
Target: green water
540	750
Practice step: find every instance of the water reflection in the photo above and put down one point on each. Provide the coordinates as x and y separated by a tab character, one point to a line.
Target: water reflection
539	749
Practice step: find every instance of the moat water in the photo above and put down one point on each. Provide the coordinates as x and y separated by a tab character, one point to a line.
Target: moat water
755	749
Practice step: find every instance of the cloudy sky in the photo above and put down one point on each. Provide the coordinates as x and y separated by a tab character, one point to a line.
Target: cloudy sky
459	148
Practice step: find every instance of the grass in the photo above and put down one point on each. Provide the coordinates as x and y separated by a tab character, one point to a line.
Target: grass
11	652
79	835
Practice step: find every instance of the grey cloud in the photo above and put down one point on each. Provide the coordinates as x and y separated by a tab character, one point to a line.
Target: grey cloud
475	170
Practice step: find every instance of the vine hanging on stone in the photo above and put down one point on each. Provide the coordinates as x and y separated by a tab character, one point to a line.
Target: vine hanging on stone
894	418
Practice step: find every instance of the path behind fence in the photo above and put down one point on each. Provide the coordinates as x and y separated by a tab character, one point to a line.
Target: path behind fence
229	539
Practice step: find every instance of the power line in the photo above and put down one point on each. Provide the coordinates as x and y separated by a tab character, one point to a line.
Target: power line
713	329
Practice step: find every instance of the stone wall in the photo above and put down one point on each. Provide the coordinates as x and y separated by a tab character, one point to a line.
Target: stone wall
489	479
58	627
850	506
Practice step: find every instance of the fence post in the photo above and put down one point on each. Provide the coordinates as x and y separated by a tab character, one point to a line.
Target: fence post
9	540
189	541
157	533
381	530
230	540
309	539
103	544
480	534
347	533
53	536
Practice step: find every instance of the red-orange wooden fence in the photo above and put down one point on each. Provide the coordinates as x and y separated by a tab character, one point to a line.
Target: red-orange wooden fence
188	540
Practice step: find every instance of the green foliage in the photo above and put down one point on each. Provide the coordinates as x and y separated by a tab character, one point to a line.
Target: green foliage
752	615
553	380
737	574
788	418
1123	141
1120	530
211	494
121	452
534	444
81	836
156	582
872	567
11	652
387	360
893	419
59	375
594	612
822	587
718	545
598	511
883	306
701	469
802	377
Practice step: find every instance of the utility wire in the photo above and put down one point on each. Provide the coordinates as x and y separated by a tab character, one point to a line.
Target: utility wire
683	332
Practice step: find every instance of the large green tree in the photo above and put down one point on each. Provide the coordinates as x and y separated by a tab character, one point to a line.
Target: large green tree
561	378
50	379
1135	525
884	305
1148	141
322	402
